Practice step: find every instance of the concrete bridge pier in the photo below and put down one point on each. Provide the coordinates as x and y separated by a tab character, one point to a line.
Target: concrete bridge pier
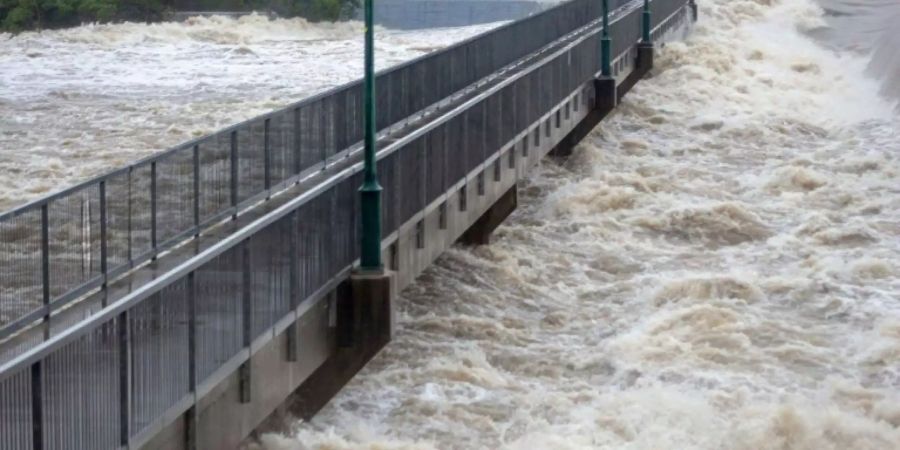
480	231
605	100
608	93
365	321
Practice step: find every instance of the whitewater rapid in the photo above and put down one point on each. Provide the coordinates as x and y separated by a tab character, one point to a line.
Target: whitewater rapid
77	102
716	267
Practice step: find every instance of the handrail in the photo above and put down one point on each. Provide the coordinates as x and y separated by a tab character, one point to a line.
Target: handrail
91	233
216	309
255	226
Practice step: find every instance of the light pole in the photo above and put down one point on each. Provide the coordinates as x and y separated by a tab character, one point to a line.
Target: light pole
646	22
370	192
605	42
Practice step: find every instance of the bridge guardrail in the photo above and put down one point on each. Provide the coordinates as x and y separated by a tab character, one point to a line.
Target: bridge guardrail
58	248
119	375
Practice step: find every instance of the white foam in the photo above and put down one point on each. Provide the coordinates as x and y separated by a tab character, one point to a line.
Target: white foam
715	268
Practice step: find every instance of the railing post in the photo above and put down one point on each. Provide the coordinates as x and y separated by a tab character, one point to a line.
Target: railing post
103	237
37	406
153	199
196	158
191	415
124	379
130	222
370	192
267	158
234	172
45	265
294	287
605	43
646	23
246	322
298	143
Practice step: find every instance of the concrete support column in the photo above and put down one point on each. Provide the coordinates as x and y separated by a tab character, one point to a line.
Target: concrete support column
366	319
606	97
644	58
480	231
365	324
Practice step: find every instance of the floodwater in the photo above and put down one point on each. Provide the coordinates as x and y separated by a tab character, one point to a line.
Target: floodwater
717	267
77	102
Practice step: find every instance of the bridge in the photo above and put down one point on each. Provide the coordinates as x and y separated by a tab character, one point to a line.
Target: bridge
180	301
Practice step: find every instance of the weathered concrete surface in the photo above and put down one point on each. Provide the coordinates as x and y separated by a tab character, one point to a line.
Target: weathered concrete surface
480	231
365	323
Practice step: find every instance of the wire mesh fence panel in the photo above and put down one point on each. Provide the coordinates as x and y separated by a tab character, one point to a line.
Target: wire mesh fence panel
80	398
251	159
158	331
411	196
16	412
142	214
383	102
174	195
21	287
437	164
220	286
475	136
491	125
508	114
398	80
389	178
74	235
312	148
328	129
270	275
282	164
118	220
345	240
354	113
340	113
214	157
308	235
456	148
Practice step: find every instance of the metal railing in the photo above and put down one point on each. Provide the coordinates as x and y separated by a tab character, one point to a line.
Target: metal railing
60	247
119	376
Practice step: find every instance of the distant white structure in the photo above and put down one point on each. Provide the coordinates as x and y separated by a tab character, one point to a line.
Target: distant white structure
412	14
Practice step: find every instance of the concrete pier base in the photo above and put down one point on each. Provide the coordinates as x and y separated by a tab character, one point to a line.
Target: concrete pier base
480	231
643	65
644	58
365	324
606	95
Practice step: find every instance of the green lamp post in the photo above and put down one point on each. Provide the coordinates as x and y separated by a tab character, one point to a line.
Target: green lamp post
646	22
370	192
605	42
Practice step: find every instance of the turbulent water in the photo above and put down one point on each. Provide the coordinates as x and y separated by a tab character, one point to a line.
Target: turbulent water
77	102
717	267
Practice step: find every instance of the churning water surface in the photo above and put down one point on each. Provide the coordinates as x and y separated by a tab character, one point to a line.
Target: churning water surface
717	267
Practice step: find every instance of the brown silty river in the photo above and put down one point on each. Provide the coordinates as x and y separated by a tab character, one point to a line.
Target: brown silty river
716	267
